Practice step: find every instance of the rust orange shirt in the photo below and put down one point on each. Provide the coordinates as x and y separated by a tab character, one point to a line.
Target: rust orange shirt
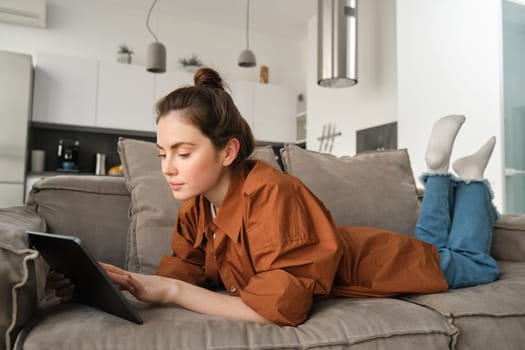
274	244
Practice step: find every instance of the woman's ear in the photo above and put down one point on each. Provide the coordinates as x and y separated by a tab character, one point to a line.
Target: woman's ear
230	151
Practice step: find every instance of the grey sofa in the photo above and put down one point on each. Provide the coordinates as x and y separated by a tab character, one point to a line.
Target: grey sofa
104	212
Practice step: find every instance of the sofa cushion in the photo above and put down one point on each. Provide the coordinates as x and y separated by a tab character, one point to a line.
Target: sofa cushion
499	305
337	323
19	269
93	208
153	208
375	189
509	238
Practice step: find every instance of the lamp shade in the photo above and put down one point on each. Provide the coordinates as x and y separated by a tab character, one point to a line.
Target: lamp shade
336	43
156	58
247	58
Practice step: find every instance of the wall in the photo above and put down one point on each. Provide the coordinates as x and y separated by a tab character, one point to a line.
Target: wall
372	101
95	28
449	62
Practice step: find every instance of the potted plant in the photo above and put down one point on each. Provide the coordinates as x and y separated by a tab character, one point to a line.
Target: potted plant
124	54
190	64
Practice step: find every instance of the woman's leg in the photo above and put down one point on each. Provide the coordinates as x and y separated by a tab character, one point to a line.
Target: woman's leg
435	219
466	260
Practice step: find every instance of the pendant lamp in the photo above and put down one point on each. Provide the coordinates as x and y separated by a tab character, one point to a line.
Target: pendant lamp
156	55
247	58
336	43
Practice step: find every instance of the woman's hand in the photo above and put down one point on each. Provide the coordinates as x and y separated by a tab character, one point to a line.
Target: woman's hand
146	288
61	287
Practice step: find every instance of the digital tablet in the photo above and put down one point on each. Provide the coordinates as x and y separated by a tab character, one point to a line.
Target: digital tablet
67	255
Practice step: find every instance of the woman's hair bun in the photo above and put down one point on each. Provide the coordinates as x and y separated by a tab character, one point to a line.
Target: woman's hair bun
209	78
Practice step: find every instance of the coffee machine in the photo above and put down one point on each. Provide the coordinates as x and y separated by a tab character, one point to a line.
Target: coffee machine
67	155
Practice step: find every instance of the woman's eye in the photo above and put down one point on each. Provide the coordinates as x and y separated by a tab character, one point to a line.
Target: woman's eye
161	156
184	155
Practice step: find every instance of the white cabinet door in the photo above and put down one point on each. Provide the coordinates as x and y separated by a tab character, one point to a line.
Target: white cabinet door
65	90
125	97
274	113
169	81
11	194
15	106
242	95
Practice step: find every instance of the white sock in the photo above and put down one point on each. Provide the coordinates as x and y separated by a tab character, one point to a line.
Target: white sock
472	167
441	141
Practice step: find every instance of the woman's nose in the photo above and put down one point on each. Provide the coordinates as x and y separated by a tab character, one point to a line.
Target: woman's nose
169	167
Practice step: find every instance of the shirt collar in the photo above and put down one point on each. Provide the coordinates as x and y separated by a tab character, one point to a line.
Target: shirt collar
229	217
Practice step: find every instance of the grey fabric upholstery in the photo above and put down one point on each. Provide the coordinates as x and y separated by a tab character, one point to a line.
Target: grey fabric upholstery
499	305
153	209
19	271
374	189
334	324
93	208
508	242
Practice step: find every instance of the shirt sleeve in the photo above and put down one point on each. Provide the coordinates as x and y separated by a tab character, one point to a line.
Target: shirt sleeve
295	252
186	263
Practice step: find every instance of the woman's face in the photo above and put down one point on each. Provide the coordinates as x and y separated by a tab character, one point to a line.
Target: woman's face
190	163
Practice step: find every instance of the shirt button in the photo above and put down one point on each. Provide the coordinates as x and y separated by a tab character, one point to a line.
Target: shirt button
233	289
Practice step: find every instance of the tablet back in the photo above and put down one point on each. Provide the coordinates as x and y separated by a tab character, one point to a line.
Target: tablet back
67	255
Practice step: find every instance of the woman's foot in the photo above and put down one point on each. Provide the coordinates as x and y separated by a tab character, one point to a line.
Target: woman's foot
441	141
472	167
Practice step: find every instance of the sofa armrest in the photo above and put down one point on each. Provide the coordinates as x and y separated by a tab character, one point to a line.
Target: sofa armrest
22	272
509	238
92	208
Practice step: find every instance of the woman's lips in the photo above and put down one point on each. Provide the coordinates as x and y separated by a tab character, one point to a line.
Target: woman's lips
175	186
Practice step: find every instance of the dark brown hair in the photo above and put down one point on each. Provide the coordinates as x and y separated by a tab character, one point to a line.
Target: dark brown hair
211	109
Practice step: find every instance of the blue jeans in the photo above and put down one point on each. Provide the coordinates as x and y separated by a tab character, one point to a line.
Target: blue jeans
458	219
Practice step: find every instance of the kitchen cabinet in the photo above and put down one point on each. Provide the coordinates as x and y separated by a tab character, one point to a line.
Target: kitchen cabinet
11	194
274	113
65	90
269	109
242	95
125	97
121	96
16	85
169	81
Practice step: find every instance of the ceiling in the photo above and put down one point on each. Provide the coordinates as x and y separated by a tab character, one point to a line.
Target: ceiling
288	17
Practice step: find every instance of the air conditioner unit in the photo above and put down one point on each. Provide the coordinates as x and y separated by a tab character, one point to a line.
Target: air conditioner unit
24	12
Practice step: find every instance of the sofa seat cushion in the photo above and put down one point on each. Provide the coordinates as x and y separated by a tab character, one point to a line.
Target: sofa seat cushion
499	305
335	323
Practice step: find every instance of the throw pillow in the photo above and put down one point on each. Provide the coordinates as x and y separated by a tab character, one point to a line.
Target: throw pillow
21	273
375	189
153	210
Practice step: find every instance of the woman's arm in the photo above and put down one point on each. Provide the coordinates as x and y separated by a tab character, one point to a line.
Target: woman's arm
163	290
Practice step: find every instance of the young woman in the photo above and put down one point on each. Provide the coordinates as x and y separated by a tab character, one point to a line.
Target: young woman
274	246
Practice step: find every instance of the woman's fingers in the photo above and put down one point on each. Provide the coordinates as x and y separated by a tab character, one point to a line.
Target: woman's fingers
67	299
56	284
112	268
63	292
120	279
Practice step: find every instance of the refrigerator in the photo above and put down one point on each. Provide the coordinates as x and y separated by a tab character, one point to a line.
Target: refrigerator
16	82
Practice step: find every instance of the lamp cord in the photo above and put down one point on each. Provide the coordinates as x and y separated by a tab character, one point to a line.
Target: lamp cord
247	23
147	20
